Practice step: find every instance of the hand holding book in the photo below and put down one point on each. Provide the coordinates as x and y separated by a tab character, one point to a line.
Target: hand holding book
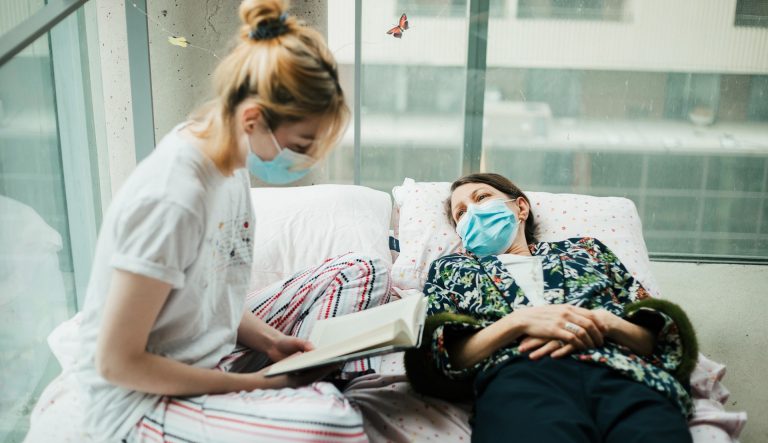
388	328
286	346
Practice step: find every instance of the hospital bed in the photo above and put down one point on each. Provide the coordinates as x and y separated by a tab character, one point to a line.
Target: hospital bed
299	227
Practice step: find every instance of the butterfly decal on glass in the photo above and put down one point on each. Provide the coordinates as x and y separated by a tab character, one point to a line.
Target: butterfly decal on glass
398	30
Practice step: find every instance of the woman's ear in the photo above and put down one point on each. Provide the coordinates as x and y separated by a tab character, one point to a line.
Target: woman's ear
250	117
525	208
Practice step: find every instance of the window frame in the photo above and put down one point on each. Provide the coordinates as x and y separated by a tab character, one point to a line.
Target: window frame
42	21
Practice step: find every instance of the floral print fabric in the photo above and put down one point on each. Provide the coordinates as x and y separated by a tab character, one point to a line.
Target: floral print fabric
578	271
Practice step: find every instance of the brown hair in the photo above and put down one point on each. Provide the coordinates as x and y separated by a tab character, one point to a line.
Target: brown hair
501	184
286	68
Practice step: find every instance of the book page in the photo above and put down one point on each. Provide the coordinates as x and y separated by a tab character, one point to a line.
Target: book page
394	325
333	330
392	333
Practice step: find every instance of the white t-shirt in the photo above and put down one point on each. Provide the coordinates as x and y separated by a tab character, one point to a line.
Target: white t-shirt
179	220
528	274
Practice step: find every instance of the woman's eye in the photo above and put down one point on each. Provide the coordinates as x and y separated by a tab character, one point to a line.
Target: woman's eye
481	197
299	148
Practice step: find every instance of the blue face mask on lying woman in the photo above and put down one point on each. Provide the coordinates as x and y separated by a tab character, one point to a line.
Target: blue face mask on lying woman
284	168
489	228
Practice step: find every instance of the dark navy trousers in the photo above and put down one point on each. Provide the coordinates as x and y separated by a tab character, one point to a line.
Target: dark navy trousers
567	401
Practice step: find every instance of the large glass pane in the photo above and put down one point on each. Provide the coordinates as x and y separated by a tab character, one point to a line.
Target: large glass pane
571	9
35	260
340	165
13	12
636	110
451	8
412	113
42	185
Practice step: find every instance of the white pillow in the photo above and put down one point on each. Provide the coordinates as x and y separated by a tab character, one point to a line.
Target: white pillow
425	233
300	227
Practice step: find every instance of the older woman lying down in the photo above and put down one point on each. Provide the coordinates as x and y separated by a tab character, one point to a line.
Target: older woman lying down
557	341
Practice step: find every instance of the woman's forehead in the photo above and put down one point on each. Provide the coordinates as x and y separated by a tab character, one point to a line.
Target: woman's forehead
464	192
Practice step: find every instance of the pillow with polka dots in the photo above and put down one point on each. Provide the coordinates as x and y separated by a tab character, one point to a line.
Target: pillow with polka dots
425	233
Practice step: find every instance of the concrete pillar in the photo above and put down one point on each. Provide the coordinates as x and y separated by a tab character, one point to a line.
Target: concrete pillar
116	93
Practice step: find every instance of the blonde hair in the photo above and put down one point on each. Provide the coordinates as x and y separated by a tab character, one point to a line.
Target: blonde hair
286	68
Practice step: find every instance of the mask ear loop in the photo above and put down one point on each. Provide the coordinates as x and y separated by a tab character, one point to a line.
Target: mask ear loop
519	218
250	144
274	140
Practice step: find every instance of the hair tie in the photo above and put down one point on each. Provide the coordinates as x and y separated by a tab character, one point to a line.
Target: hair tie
270	28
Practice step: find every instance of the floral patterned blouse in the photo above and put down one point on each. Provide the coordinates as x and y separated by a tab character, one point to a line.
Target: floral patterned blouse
467	294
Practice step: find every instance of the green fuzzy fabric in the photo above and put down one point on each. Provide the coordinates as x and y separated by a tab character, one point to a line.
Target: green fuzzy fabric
422	371
684	326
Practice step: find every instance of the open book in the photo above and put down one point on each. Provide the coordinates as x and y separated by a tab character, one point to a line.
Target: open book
387	328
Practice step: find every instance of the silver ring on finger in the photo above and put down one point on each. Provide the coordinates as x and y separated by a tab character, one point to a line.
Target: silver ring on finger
561	343
572	327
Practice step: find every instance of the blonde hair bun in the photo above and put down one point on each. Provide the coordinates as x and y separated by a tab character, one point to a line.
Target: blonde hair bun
265	19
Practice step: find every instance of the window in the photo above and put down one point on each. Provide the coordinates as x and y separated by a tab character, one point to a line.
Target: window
413	89
692	96
630	134
14	12
610	10
449	8
752	13
688	146
48	206
757	109
412	101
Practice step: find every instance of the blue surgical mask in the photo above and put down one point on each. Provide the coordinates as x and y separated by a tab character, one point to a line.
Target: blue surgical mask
280	170
489	228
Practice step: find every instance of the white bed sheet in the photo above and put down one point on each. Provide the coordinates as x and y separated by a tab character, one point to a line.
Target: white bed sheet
393	412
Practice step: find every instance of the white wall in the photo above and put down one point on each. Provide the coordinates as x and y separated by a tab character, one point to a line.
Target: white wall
727	305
